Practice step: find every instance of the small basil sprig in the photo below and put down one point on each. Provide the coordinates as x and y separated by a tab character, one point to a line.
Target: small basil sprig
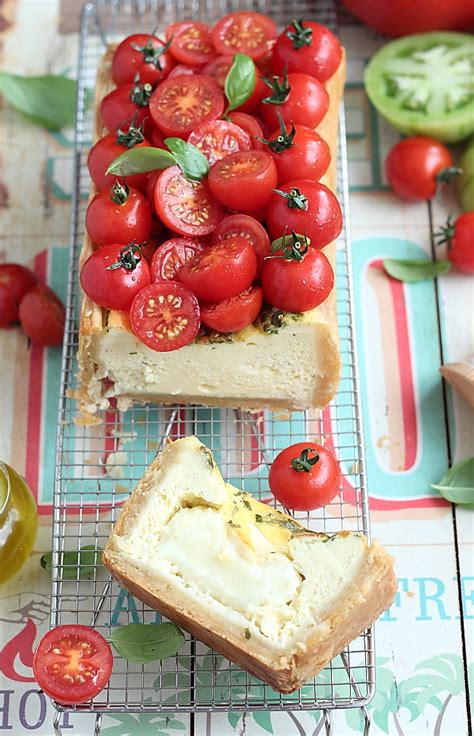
240	81
190	160
457	485
48	101
142	643
75	564
416	270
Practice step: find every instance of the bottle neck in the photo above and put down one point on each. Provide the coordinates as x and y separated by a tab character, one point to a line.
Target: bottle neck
5	493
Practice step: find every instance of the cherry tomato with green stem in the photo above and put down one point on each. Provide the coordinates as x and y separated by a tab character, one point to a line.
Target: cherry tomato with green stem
309	47
416	166
125	104
114	274
299	98
299	153
118	215
107	149
459	237
141	54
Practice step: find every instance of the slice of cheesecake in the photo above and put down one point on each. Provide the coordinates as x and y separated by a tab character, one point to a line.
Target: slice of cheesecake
282	362
249	581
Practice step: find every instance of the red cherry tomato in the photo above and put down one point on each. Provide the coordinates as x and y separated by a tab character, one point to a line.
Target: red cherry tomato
460	239
156	138
244	180
251	126
186	207
148	249
107	149
171	255
297	286
125	104
413	165
320	216
191	42
305	476
113	275
244	33
234	314
180	104
305	46
42	316
72	663
260	91
218	139
182	70
118	215
244	226
141	54
165	316
15	281
221	270
304	156
218	67
306	104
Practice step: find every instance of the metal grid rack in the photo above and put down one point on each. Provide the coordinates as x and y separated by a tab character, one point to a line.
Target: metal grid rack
98	466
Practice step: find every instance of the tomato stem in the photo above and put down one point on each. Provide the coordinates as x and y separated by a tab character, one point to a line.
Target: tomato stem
304	463
129	138
140	93
119	192
280	89
128	258
296	199
446	175
300	36
446	233
284	140
295	250
151	54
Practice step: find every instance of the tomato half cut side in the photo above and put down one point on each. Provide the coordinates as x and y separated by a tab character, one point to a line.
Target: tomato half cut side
191	42
180	104
244	226
219	139
218	68
165	316
244	180
251	126
244	33
234	314
186	207
72	663
171	255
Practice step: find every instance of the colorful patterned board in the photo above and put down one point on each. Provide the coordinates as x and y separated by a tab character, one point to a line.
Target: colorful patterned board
412	427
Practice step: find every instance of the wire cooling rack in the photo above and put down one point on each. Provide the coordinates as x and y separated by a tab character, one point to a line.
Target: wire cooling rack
98	466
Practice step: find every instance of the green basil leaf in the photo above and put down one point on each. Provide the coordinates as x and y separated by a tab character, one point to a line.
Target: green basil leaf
190	159
49	101
86	559
240	81
140	160
457	485
413	271
143	643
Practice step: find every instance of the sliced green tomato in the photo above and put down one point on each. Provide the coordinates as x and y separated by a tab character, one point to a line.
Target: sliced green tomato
424	84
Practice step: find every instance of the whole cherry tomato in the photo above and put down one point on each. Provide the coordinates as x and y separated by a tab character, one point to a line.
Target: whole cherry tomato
415	166
113	275
126	104
243	180
305	46
141	54
298	97
459	237
118	215
15	281
42	316
299	153
107	149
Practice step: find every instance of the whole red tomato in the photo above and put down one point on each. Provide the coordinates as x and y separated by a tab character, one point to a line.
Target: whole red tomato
305	476
460	240
113	275
107	149
118	215
299	98
402	17
42	316
299	153
415	166
305	46
243	180
141	54
15	281
125	104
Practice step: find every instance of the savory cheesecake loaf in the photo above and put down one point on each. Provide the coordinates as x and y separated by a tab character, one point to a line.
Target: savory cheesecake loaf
282	362
277	599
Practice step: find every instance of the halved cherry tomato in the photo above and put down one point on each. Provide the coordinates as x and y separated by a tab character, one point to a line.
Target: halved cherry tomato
251	126
186	207
113	275
414	164
42	316
141	54
221	270
165	316
297	286
182	70
305	476
244	180
191	42
306	104
244	226
218	67
171	255
234	314
118	215
299	153
107	149
244	33
180	104
309	208
125	104
15	281
305	46
72	663
218	139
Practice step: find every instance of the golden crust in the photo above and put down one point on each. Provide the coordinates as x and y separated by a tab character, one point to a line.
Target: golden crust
94	320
